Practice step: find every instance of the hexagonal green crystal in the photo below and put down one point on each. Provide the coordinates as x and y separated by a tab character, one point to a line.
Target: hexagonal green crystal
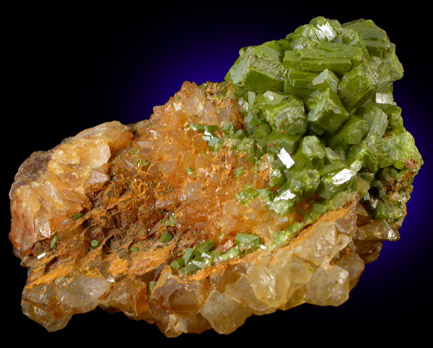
326	111
258	68
342	76
288	116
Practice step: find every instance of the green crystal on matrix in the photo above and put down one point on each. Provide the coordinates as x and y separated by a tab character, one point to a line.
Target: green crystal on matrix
260	68
396	150
326	111
351	133
262	192
288	116
324	96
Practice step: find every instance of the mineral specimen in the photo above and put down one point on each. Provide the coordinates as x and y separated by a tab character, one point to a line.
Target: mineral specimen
262	192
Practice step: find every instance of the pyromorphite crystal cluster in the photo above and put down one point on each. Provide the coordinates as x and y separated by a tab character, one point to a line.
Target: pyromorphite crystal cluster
262	192
319	104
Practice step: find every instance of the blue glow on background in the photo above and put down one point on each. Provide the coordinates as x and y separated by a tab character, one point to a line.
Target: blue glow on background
399	261
198	59
82	67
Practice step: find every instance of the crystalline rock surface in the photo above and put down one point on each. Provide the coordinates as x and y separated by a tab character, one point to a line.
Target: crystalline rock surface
173	220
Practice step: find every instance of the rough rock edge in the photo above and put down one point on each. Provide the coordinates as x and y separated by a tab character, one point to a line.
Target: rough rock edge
320	266
53	168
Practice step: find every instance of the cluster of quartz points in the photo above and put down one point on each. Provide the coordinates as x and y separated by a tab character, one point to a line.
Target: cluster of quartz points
263	192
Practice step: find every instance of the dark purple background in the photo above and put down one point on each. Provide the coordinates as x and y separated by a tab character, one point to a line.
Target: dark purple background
76	67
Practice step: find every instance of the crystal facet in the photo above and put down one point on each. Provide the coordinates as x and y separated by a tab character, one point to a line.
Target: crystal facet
263	192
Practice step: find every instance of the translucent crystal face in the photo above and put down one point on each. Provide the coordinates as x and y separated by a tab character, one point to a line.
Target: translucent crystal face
332	110
263	192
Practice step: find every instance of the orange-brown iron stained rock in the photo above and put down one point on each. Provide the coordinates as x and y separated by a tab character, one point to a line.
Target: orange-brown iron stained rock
130	185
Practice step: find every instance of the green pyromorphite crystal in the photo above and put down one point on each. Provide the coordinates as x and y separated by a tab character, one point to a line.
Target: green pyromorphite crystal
199	257
396	150
351	133
258	68
288	116
319	107
326	111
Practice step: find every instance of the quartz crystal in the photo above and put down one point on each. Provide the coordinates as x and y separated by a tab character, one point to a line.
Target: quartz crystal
263	192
